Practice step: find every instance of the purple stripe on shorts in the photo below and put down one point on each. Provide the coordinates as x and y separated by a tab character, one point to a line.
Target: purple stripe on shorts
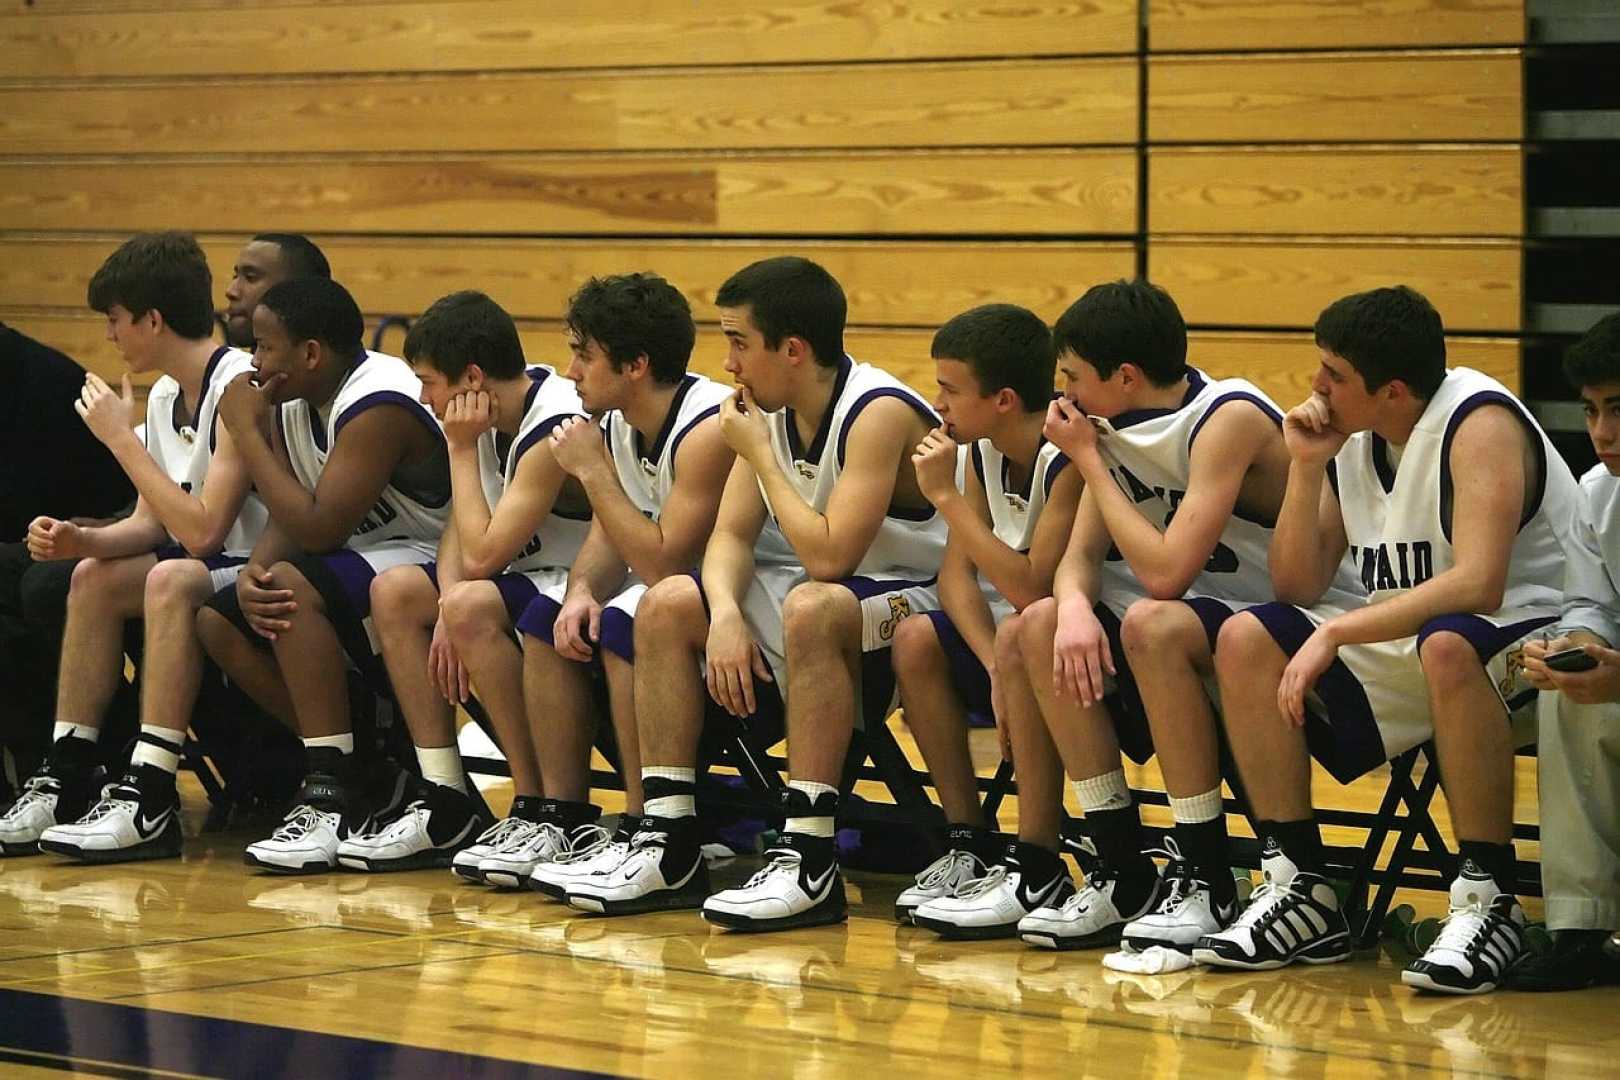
618	633
539	617
865	588
1346	741
972	682
517	593
169	552
1486	637
1212	613
354	575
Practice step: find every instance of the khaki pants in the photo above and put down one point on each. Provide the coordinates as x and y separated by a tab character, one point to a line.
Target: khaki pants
1578	773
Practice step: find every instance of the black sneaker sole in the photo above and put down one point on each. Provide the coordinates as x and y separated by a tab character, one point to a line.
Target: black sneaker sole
952	932
17	850
820	915
422	860
687	897
165	845
1314	955
1422	980
1065	943
289	871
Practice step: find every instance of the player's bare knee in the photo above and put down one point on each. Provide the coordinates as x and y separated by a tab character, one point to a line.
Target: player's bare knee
177	582
90	579
916	647
819	612
1152	626
1010	639
1449	661
668	611
471	609
392	592
1036	626
1243	644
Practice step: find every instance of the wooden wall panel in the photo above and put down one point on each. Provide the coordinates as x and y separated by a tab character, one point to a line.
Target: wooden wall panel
1336	97
132	37
888	284
1428	191
1283	364
1053	192
1181	25
1244	282
1014	103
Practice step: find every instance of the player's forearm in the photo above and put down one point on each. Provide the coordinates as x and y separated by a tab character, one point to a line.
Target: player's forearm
1300	572
1452	592
1010	572
728	569
135	535
824	555
291	504
470	516
182	514
1164	571
963	602
638	539
597	569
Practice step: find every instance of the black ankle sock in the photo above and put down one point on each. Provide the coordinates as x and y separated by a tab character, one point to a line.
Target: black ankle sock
1300	841
1497	860
976	839
527	807
1118	836
569	815
1038	864
1205	846
661	787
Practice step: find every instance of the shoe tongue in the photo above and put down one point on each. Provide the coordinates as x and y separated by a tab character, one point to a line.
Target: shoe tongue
1278	867
1473	886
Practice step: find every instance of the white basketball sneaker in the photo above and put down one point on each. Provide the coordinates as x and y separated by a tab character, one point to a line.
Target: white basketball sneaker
799	886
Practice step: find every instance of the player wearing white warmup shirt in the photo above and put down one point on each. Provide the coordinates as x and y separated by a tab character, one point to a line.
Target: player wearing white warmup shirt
822	545
353	470
1009	523
192	526
653	468
446	627
1578	728
1458	513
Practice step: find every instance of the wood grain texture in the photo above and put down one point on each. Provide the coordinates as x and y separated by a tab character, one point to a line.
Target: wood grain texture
1427	191
888	283
1330	24
55	38
1049	192
1041	103
1335	97
1283	364
1242	282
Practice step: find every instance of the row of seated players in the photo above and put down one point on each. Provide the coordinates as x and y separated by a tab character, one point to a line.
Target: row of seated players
1381	566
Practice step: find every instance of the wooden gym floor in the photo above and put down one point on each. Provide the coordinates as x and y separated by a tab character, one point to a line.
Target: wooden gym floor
198	967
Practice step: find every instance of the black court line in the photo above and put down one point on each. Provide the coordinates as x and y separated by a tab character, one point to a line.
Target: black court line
71	1034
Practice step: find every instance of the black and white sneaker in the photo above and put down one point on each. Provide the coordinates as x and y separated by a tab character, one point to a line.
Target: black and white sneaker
137	818
1293	915
593	851
663	871
1087	919
1187	910
427	832
60	791
1481	939
993	905
940	878
323	816
798	886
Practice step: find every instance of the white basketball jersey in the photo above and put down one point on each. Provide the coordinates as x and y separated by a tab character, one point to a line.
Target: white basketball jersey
908	544
1149	454
1013	514
647	473
184	445
376	379
550	400
1397	517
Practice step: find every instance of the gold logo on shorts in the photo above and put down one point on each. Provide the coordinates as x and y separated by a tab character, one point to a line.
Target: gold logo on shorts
899	608
1512	679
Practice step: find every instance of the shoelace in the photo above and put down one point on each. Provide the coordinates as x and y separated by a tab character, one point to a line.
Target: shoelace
1462	927
548	836
586	842
111	797
1267	899
498	835
409	815
946	867
300	822
1080	901
779	861
36	788
981	885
